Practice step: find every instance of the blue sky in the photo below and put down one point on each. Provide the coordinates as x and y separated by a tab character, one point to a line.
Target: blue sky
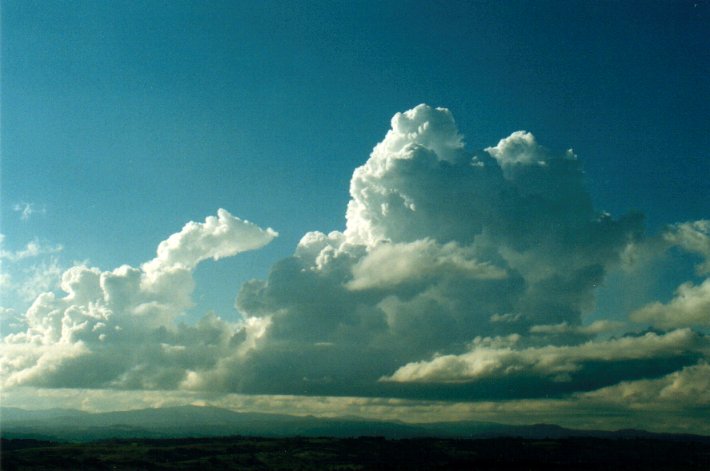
122	121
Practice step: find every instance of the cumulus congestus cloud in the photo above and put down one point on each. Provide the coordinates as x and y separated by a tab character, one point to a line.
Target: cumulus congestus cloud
458	275
442	247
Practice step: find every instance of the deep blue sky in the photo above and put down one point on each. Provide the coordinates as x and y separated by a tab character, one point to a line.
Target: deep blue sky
124	120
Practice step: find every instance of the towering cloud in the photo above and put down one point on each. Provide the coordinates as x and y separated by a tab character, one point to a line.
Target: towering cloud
457	275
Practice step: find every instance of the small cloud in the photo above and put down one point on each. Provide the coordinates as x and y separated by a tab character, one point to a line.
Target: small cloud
507	318
693	237
218	237
689	307
27	210
595	328
34	248
7	312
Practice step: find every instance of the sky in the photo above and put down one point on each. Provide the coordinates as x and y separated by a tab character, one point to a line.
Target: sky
416	210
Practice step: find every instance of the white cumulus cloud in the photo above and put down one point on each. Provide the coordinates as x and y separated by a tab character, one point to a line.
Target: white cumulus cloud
117	329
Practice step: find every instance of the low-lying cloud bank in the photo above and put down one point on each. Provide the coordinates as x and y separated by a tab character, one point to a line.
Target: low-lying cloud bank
458	276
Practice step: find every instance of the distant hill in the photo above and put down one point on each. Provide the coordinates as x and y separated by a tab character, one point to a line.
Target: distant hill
15	413
194	421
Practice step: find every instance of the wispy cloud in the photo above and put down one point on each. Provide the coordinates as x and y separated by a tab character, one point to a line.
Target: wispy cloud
28	271
27	210
33	249
39	278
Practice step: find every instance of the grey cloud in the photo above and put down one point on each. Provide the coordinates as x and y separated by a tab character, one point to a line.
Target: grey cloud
596	327
496	357
440	245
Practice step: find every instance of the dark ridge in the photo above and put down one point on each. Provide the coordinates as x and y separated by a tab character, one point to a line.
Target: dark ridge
193	422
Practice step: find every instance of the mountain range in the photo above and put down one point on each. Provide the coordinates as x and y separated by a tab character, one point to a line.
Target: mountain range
199	421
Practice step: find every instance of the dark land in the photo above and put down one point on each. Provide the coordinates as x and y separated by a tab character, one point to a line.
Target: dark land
211	438
254	453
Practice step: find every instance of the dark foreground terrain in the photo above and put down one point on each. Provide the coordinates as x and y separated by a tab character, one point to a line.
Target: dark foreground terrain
249	453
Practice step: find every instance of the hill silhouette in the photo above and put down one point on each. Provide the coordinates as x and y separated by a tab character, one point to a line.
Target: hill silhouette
195	421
